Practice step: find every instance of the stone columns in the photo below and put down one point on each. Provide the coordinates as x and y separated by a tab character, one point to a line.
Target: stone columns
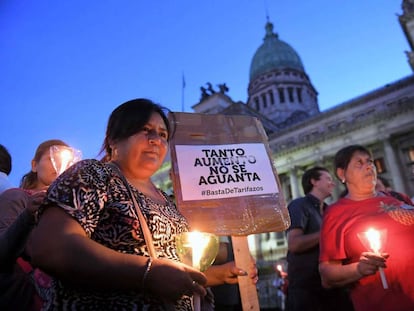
294	183
394	170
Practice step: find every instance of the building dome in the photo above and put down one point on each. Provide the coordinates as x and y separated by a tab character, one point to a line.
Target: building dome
274	54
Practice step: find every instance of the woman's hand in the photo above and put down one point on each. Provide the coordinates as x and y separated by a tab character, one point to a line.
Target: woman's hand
227	273
335	274
34	201
171	280
231	272
254	273
369	263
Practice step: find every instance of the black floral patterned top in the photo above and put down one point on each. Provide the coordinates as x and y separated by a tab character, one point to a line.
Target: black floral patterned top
93	193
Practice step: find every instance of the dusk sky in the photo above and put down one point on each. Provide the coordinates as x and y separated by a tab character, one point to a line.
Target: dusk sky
65	65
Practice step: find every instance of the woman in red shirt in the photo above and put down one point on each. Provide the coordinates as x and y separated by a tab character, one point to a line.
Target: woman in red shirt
345	260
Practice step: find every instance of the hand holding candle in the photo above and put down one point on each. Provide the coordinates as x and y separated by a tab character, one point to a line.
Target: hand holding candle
375	239
197	249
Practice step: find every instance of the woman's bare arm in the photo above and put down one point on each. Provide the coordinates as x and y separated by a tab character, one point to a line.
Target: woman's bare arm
335	274
60	247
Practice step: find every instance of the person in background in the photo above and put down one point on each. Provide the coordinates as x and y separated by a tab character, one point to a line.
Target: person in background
5	169
278	283
384	186
18	208
89	236
346	257
305	290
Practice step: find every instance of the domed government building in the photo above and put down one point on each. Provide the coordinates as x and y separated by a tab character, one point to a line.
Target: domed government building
281	95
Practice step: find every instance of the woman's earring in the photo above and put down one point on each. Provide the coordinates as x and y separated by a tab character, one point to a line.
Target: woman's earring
114	153
343	180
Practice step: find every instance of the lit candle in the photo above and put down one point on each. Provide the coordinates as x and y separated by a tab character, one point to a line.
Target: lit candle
66	158
198	243
204	248
374	238
62	157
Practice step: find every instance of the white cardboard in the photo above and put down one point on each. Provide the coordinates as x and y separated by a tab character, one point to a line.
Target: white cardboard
224	171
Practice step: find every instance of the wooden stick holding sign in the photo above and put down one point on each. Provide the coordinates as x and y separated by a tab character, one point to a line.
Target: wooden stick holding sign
248	291
225	182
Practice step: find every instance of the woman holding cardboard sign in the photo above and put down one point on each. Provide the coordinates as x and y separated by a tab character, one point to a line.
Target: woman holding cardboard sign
107	234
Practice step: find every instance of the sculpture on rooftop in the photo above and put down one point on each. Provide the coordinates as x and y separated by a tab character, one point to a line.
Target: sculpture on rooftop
223	88
208	91
408	7
210	88
204	93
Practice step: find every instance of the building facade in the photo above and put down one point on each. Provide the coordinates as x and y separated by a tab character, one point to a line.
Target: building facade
281	95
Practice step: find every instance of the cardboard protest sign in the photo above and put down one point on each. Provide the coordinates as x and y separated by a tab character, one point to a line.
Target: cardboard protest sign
223	176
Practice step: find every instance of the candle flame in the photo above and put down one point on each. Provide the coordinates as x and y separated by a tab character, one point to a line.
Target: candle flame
66	157
374	239
197	249
199	243
62	157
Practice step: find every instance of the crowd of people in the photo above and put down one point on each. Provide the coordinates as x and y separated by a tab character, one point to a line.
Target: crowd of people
101	235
